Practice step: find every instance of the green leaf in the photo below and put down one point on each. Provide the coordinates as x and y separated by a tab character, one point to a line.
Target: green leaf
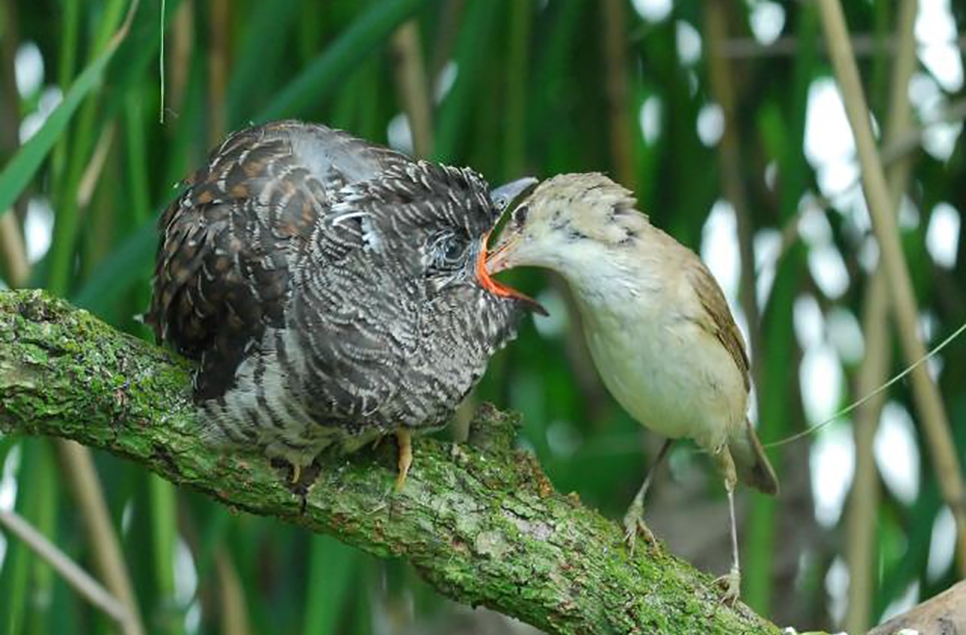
127	265
368	32
17	174
331	569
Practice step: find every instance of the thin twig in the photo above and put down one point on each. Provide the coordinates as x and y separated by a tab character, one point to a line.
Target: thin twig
81	477
860	515
618	105
932	412
12	250
862	43
181	51
92	173
879	390
218	25
74	575
729	164
860	512
450	20
233	608
892	152
413	85
164	11
906	141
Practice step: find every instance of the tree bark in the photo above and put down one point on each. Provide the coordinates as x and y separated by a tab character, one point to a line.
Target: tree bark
944	614
480	522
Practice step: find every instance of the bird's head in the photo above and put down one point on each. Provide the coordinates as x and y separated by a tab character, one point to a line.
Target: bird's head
440	220
568	221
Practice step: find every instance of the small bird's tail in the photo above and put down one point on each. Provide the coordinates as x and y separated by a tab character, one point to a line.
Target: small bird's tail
751	463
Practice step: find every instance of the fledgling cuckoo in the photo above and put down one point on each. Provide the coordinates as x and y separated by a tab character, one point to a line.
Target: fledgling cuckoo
332	290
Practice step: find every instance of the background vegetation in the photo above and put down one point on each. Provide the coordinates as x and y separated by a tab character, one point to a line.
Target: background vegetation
689	106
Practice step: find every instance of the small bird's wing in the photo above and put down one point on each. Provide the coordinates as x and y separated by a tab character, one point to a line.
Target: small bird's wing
223	266
751	463
717	318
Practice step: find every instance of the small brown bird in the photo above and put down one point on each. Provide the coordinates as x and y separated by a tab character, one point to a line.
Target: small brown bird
333	291
656	322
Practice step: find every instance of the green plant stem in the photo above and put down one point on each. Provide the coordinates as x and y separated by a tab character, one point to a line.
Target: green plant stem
481	523
929	403
860	514
412	85
164	533
775	392
861	525
323	74
79	579
78	467
622	133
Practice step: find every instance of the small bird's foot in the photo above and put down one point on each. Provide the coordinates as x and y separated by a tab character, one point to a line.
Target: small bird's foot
405	441
730	586
634	525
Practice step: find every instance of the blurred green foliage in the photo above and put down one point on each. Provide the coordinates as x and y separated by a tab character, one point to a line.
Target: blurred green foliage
520	87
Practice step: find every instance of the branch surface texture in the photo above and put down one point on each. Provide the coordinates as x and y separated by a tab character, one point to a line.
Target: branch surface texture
480	522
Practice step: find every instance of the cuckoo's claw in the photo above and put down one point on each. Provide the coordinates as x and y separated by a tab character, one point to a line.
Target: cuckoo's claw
405	441
296	474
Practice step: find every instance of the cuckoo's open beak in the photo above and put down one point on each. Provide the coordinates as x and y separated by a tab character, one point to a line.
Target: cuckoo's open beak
496	288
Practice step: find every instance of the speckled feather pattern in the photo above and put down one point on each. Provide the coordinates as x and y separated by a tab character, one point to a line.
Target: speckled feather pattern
298	268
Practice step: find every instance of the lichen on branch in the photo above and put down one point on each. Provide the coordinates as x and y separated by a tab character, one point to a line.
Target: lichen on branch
480	522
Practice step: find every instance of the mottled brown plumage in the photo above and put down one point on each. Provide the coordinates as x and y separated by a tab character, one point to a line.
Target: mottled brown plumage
329	288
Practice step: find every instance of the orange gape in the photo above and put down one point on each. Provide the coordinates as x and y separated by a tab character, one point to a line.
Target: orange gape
496	287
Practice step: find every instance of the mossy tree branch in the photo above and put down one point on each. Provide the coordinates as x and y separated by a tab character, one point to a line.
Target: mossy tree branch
480	522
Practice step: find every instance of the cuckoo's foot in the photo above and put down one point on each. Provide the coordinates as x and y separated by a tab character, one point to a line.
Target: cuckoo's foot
730	586
299	477
634	526
405	441
291	469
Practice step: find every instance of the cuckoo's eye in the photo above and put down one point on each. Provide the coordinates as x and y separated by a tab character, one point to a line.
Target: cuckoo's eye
448	252
520	215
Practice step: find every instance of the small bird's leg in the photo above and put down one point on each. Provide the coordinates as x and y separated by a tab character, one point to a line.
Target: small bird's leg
730	582
296	473
634	518
405	441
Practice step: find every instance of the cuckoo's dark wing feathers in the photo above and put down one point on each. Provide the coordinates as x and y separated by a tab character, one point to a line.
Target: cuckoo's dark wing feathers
223	265
298	268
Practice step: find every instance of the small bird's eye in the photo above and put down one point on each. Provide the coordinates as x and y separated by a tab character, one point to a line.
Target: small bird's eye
520	214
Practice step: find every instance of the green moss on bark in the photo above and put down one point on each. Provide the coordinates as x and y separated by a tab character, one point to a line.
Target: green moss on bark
480	522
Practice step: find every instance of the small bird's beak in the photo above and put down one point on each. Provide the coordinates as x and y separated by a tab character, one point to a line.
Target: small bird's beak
504	195
498	259
483	275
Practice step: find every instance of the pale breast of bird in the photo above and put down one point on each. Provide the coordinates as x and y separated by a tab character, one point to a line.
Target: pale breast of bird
649	353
